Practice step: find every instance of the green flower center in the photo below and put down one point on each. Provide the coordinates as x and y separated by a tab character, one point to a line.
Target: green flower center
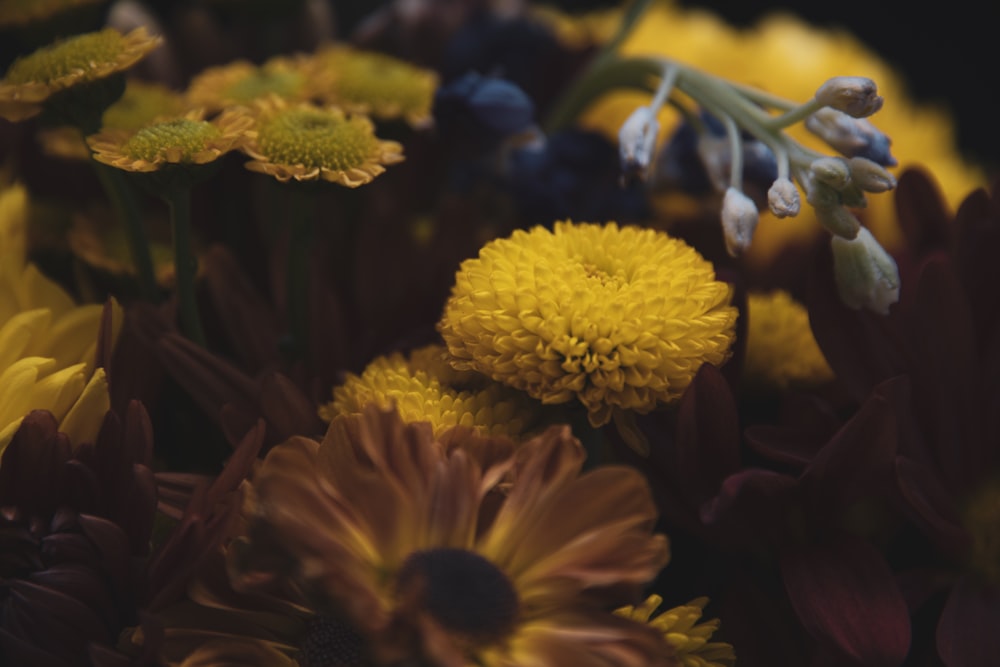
80	53
316	138
264	82
190	136
982	520
467	594
381	81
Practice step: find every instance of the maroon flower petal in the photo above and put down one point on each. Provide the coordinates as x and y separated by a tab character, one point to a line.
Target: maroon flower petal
931	507
846	597
923	218
967	633
708	436
32	473
751	505
862	450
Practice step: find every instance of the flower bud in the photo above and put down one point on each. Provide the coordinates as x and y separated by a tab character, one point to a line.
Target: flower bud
870	176
866	275
856	96
853	196
851	137
839	221
831	170
783	199
636	142
821	195
739	220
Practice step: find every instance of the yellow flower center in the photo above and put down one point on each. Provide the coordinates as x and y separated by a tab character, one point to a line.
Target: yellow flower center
982	520
190	136
80	53
316	138
265	82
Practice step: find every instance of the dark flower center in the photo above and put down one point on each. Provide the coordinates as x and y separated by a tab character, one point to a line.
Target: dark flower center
467	594
330	642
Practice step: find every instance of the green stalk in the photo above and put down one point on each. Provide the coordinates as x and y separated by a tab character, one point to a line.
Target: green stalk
185	262
300	238
122	198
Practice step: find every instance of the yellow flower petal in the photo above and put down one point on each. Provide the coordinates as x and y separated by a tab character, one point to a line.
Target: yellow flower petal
57	392
84	420
17	333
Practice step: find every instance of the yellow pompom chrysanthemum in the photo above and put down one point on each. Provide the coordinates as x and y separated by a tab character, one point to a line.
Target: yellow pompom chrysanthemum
620	318
423	387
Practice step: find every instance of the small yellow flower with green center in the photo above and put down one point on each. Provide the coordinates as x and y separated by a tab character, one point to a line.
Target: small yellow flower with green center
424	388
682	631
84	59
781	349
375	83
142	103
47	342
187	140
620	318
305	142
243	82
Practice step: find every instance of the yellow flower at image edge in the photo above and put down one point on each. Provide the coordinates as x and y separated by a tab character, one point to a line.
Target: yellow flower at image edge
47	342
424	388
186	140
32	79
620	318
309	143
681	629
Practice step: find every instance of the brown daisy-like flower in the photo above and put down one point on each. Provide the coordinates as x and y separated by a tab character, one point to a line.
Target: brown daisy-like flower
306	142
186	140
243	82
414	540
33	79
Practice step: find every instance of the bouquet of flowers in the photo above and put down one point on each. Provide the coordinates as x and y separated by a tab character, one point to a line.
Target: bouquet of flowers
468	332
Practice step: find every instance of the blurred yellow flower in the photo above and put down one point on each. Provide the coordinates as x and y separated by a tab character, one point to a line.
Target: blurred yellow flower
423	387
47	342
78	60
243	82
781	349
789	58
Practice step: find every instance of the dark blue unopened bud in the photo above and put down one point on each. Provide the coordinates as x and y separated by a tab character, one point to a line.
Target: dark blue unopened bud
481	111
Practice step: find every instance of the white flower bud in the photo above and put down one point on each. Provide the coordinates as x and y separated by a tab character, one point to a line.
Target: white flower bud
831	170
783	199
856	96
838	221
637	141
821	195
851	136
853	197
866	275
870	176
739	220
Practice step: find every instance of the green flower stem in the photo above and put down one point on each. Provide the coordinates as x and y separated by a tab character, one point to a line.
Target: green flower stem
123	200
300	239
185	262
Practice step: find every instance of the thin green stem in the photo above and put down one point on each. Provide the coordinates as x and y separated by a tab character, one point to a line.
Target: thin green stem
185	262
300	238
122	198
